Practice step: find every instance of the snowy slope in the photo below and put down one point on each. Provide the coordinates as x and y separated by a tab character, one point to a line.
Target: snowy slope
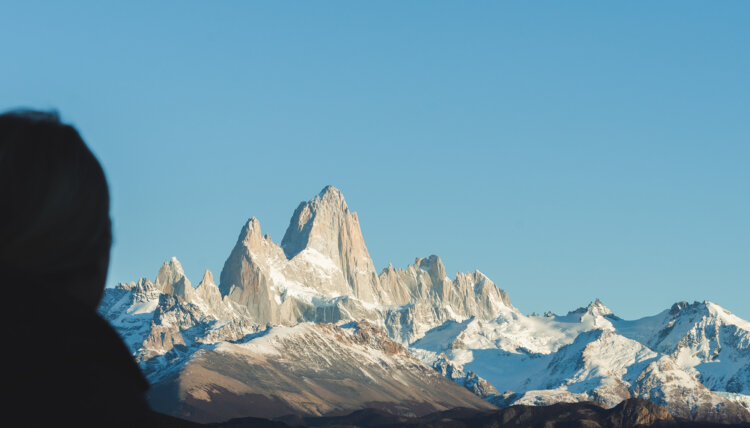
590	354
703	337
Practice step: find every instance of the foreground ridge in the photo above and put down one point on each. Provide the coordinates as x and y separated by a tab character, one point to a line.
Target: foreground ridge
630	413
284	332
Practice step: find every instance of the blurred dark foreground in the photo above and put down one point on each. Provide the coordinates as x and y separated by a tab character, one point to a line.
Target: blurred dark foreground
630	413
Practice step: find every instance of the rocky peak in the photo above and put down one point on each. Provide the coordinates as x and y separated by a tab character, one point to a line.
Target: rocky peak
251	253
485	287
677	307
594	309
250	235
324	231
125	285
433	266
209	292
333	195
171	279
318	222
208	280
703	330
705	310
598	309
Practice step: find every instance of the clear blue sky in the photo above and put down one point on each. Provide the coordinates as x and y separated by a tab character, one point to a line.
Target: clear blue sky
569	150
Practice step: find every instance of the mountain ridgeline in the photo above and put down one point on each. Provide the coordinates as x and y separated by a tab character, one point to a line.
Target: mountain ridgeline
322	272
310	328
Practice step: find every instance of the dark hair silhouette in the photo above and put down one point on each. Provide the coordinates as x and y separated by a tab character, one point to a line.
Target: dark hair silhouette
54	224
67	364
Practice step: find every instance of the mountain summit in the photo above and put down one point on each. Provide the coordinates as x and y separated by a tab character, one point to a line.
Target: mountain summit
324	232
319	223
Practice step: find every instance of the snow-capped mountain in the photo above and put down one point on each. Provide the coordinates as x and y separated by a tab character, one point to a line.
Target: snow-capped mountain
282	307
673	359
702	336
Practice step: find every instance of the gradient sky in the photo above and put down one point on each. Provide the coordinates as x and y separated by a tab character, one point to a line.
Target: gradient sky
569	150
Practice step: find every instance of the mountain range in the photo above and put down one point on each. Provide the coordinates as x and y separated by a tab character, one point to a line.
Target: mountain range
308	327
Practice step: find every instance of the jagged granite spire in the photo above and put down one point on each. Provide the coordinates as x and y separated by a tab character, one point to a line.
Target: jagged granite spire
325	213
245	277
324	230
171	279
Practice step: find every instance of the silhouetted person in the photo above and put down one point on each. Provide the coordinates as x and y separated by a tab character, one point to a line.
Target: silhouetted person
67	366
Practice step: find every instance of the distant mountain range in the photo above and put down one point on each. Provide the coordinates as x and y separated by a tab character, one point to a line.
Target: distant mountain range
310	328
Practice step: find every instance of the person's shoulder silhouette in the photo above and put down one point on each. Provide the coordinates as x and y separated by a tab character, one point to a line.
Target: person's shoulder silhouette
64	364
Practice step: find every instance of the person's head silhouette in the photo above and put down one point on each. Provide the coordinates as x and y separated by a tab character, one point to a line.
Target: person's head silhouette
55	237
54	222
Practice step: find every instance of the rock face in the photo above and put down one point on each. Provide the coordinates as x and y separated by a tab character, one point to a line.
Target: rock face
326	234
291	326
